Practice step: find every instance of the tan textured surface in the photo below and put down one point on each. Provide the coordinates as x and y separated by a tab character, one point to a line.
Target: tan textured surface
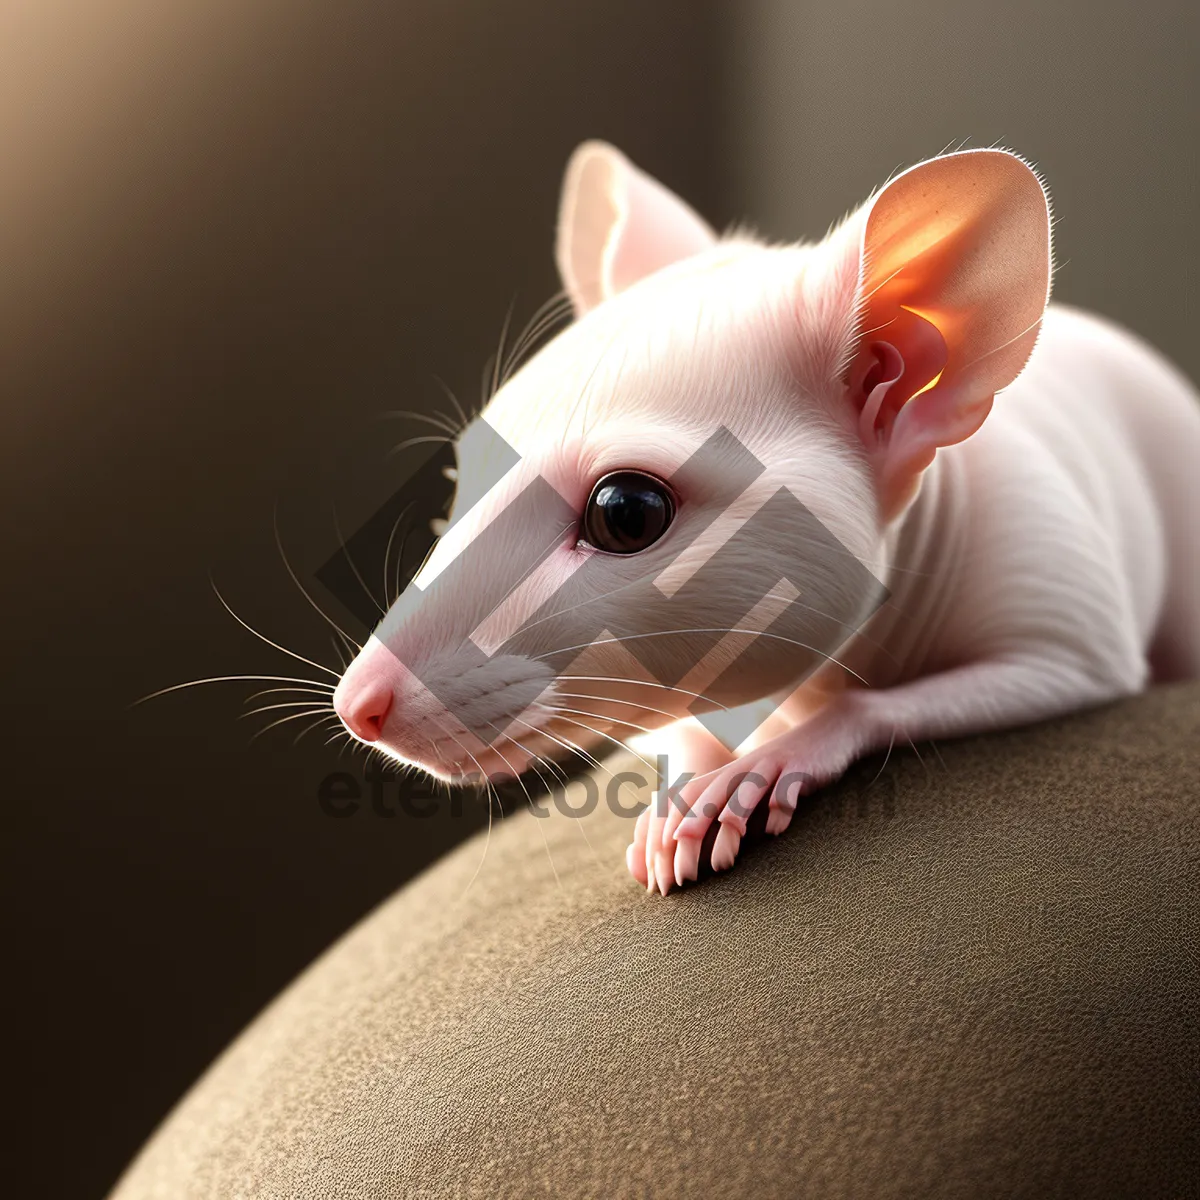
973	980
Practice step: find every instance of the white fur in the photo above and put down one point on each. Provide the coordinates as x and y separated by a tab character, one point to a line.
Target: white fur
1049	562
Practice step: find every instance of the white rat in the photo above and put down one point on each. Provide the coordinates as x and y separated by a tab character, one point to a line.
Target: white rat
1039	548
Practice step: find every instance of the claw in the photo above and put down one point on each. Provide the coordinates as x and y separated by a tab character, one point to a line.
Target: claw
725	848
687	861
663	867
778	819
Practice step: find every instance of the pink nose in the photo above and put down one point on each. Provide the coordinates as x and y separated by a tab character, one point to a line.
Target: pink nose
364	706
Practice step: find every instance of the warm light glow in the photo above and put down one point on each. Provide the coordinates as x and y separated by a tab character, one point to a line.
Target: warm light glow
925	316
931	384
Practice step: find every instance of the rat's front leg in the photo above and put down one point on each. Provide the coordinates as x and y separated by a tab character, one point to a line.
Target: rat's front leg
969	699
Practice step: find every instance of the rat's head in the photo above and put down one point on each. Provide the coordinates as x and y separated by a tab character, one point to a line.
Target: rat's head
681	503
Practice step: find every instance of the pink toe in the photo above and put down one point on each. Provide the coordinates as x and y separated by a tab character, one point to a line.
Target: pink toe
681	809
730	819
695	823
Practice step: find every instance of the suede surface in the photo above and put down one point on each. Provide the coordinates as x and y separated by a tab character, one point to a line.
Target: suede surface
973	976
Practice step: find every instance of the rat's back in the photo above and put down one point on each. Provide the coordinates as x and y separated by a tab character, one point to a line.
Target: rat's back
1124	426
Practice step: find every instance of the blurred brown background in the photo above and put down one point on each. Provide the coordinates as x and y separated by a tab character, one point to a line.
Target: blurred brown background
230	229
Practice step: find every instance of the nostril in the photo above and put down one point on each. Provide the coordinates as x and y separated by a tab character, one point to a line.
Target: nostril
365	710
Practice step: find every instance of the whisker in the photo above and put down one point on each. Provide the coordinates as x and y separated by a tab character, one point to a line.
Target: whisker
928	772
554	768
397	588
324	689
523	349
345	739
425	560
886	759
554	310
491	793
608	737
345	549
662	712
645	683
303	591
633	637
561	612
560	773
937	750
535	762
387	554
876	328
583	712
340	652
570	747
312	712
499	355
859	635
555	303
458	408
323	723
581	824
420	441
262	638
177	687
262	708
583	754
537	820
438	422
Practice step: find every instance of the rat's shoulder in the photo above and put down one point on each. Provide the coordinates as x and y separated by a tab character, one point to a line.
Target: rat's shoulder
1104	357
1069	330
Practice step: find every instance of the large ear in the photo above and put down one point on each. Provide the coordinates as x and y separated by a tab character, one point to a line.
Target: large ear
954	277
617	225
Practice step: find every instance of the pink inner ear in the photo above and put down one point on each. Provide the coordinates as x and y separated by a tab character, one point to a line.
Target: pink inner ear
887	375
655	229
616	225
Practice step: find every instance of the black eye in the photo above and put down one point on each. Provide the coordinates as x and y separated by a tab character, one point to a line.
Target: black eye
627	512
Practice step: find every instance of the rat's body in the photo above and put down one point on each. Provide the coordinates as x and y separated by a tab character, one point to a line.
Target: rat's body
1083	484
1037	561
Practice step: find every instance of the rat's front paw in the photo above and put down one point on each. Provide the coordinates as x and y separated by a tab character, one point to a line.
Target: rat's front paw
730	796
687	749
781	771
669	834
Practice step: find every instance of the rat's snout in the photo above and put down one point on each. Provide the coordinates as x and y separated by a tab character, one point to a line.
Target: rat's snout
366	692
449	725
364	709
